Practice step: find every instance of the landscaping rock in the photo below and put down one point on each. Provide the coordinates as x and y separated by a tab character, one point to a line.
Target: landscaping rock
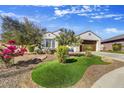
19	76
107	59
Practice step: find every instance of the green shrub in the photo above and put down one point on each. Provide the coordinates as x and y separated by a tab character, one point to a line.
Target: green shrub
88	53
31	48
62	53
76	54
38	50
52	51
88	48
49	51
117	47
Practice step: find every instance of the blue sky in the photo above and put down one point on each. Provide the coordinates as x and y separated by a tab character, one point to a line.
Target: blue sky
105	21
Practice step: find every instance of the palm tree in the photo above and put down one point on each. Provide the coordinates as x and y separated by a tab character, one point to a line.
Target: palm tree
67	37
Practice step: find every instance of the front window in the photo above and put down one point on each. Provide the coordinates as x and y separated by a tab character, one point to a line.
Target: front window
50	43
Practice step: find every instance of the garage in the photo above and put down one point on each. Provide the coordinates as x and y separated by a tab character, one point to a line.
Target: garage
89	41
88	45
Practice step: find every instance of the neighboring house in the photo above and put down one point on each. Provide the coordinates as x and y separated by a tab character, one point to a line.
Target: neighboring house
107	44
88	39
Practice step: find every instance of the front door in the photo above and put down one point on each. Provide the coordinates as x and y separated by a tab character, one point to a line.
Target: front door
81	48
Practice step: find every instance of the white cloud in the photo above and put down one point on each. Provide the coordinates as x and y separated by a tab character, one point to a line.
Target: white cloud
90	21
8	14
112	30
86	8
106	16
62	12
72	10
118	18
79	10
20	17
91	12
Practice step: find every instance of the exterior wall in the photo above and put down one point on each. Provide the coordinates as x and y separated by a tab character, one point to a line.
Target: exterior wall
108	46
84	36
75	48
49	36
89	36
98	45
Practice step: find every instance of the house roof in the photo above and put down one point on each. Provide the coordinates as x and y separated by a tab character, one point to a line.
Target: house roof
119	37
50	32
90	32
76	35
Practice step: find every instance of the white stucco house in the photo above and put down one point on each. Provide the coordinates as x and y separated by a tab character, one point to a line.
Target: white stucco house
88	38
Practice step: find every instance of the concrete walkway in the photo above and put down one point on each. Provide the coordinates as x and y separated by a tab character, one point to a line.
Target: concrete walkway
115	56
113	79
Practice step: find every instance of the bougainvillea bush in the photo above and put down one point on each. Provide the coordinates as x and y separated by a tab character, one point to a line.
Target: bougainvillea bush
9	51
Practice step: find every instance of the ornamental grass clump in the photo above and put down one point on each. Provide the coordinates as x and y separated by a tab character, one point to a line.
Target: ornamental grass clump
62	53
9	51
117	47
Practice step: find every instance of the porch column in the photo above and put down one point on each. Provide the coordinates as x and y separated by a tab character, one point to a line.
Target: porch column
98	46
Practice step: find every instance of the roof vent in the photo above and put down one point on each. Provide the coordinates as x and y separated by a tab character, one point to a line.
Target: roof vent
89	34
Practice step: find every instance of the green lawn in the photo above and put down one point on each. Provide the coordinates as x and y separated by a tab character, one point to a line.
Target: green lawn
54	74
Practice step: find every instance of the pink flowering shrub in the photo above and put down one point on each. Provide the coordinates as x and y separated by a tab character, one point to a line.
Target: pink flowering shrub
11	42
10	51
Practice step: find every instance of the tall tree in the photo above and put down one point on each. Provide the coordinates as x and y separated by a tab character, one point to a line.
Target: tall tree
67	37
24	33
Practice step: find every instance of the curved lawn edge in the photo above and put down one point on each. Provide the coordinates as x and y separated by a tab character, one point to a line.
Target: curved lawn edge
54	74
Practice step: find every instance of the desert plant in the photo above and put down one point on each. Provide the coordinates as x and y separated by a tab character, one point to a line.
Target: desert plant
88	50
117	47
88	53
31	48
52	51
38	50
62	53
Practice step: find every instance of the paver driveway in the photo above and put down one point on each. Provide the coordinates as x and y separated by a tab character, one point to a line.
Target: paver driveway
116	56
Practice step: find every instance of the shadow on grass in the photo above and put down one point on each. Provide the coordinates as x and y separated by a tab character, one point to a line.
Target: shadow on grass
71	60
